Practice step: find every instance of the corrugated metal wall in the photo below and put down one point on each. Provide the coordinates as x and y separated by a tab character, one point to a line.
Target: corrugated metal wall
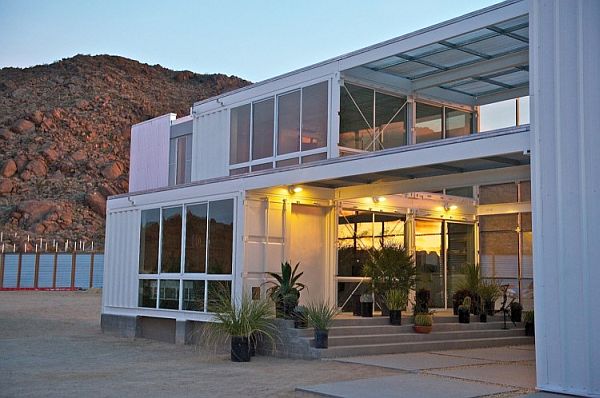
210	145
149	154
121	259
565	98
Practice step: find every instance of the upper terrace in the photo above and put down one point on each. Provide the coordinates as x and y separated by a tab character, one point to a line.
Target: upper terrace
439	84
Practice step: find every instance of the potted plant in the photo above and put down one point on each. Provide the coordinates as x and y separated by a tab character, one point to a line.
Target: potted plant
472	283
422	298
286	289
320	316
299	316
242	321
528	318
366	305
396	301
457	299
464	311
423	323
489	292
390	267
516	310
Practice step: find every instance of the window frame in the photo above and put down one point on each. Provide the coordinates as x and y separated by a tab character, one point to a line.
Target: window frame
183	276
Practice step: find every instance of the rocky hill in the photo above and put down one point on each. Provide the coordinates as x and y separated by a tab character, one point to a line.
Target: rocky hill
64	138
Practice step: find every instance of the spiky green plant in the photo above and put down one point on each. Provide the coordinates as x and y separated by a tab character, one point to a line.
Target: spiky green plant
320	314
286	289
472	278
396	299
391	267
244	317
423	319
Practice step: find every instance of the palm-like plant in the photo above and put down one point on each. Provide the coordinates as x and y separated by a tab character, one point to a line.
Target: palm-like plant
285	292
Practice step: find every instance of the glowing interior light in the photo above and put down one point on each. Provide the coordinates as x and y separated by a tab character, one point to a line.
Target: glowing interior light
295	189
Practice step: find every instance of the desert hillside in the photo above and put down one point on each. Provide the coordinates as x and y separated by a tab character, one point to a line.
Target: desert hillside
64	138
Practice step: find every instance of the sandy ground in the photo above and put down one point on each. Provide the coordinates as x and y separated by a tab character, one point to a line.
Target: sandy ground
51	346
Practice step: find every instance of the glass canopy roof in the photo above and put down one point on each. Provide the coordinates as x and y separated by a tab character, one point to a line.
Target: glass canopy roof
492	42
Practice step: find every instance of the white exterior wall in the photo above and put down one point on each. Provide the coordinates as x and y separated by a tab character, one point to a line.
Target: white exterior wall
210	145
565	98
149	153
121	259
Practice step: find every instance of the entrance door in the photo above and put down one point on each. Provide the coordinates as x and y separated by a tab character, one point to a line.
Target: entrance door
442	250
309	247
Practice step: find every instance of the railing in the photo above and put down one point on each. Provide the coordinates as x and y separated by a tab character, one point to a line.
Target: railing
51	271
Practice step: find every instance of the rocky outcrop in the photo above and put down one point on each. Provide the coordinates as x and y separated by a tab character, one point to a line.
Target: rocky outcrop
64	137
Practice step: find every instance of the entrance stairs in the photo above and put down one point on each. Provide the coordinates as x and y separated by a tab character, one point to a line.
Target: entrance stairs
356	336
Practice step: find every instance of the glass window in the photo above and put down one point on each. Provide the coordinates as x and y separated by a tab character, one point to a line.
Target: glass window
428	259
314	116
239	141
169	294
288	123
498	222
458	123
263	166
216	290
464	192
390	121
172	161
356	116
262	128
171	240
314	158
499	252
428	123
525	191
147	293
498	193
523	110
287	162
498	115
149	231
193	295
220	236
180	160
241	170
195	238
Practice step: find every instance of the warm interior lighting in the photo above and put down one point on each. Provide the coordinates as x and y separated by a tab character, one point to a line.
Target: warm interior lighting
294	189
448	207
378	199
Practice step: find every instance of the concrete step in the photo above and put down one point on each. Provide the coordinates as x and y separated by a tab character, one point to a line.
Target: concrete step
418	337
396	348
406	327
406	319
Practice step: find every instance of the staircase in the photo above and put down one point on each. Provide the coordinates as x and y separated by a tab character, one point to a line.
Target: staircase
355	336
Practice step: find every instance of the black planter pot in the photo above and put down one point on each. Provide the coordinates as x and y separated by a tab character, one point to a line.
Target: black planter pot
395	317
515	315
321	338
483	317
488	307
366	309
240	350
464	316
529	329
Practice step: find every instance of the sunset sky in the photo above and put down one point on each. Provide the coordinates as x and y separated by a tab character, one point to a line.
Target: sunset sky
253	39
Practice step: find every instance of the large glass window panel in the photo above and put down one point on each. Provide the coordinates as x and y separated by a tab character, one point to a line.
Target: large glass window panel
428	123
195	238
288	123
149	230
147	293
499	252
458	123
464	192
461	251
217	290
428	259
172	161
220	236
314	158
314	116
498	193
181	152
193	295
169	294
171	240
188	158
498	222
356	116
239	135
262	128
498	115
390	121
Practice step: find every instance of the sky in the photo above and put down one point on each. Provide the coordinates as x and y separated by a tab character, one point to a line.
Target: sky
254	40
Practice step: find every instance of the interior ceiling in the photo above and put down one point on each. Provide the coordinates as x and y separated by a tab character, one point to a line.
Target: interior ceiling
508	160
488	44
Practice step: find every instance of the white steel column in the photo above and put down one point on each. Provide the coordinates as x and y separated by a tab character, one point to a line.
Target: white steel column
565	152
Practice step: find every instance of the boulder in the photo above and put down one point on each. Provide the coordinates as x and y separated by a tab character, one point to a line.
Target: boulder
6	186
78	155
97	202
112	170
7	135
37	117
50	154
37	167
34	211
23	126
9	168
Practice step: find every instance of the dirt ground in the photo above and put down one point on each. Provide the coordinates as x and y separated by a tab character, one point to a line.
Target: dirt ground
51	346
